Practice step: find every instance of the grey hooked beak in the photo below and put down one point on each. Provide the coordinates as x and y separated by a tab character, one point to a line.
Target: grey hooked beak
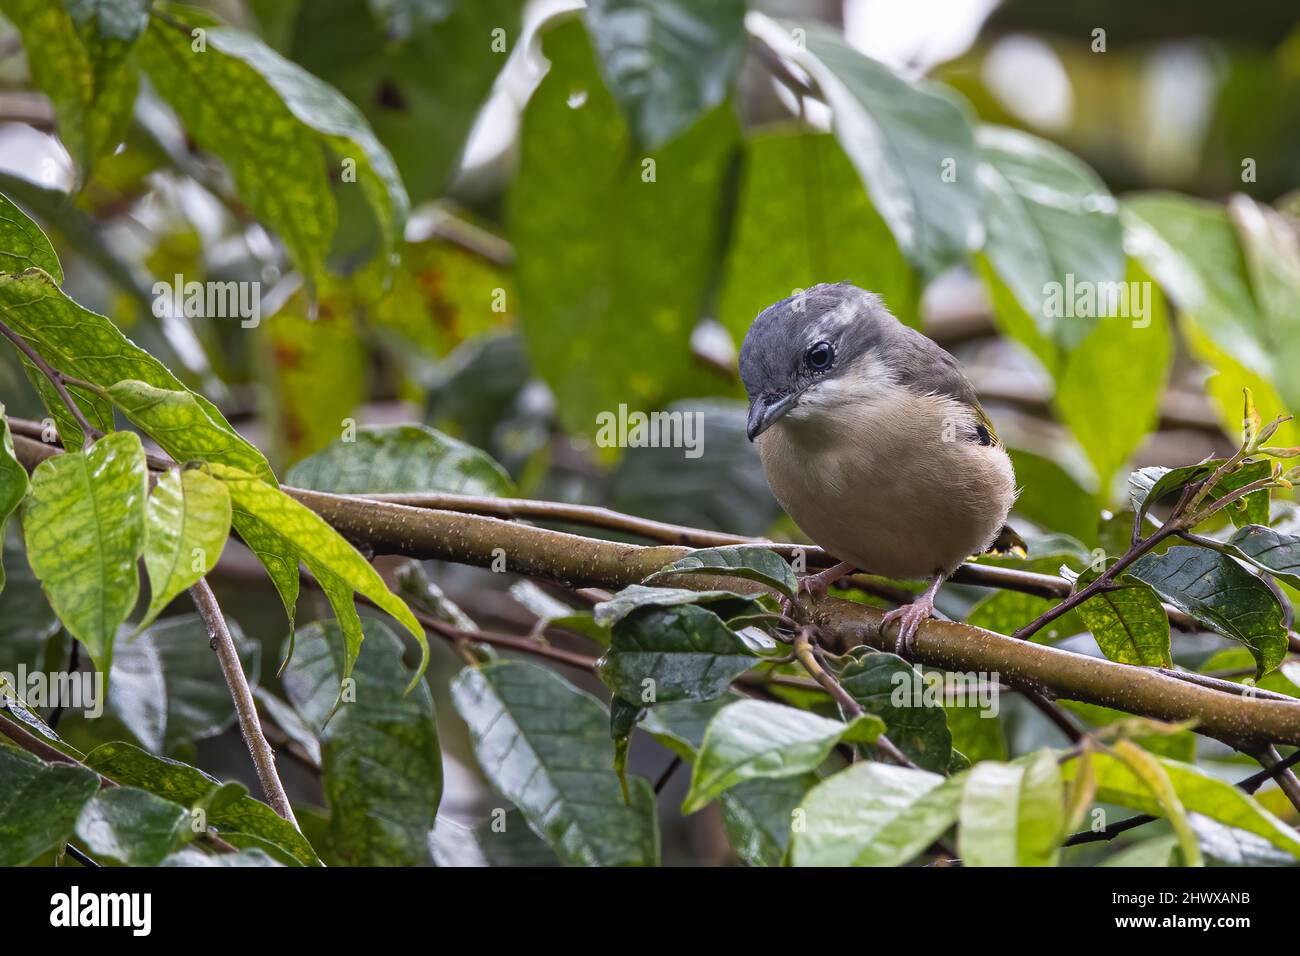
762	414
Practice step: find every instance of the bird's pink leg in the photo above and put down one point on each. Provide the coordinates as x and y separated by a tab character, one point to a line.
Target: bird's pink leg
816	585
910	616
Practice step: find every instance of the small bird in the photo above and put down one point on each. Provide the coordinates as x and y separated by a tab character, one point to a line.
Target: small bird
874	442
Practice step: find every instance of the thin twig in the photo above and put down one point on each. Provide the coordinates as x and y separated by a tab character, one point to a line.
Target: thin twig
1271	760
246	709
57	379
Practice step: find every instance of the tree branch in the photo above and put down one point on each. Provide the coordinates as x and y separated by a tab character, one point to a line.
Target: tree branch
249	725
389	528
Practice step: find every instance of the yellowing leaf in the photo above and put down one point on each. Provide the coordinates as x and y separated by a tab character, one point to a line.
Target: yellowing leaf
85	529
186	524
293	532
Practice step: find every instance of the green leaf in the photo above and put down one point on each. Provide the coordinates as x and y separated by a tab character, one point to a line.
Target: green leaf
23	245
380	756
296	533
665	654
750	739
608	303
877	681
167	685
272	144
1197	792
1056	496
1191	247
1109	386
1013	814
1222	595
92	98
756	814
186	525
1128	621
1052	224
85	530
667	61
1004	612
13	482
753	563
803	216
1147	768
177	421
40	805
233	809
545	746
502	840
134	826
910	142
874	814
422	91
88	346
1271	551
726	604
192	857
401	458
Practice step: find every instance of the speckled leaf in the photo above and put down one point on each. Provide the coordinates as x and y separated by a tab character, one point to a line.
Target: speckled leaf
874	814
545	745
665	654
304	536
1012	814
39	804
22	243
899	135
272	143
803	216
13	482
1197	791
401	458
134	826
750	739
918	729
233	810
1273	551
85	529
92	97
178	422
754	563
667	61
1220	594
88	346
380	758
608	303
635	596
1128	622
186	525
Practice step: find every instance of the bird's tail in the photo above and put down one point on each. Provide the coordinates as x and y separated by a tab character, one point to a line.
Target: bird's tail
1008	542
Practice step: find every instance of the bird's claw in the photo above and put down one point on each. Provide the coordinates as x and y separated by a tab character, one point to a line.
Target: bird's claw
816	585
909	618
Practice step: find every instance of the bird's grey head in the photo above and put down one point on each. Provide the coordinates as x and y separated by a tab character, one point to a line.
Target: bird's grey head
797	349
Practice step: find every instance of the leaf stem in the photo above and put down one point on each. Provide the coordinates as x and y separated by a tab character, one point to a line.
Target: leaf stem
57	379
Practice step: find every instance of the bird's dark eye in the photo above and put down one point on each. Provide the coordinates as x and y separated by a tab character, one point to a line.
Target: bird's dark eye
820	356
